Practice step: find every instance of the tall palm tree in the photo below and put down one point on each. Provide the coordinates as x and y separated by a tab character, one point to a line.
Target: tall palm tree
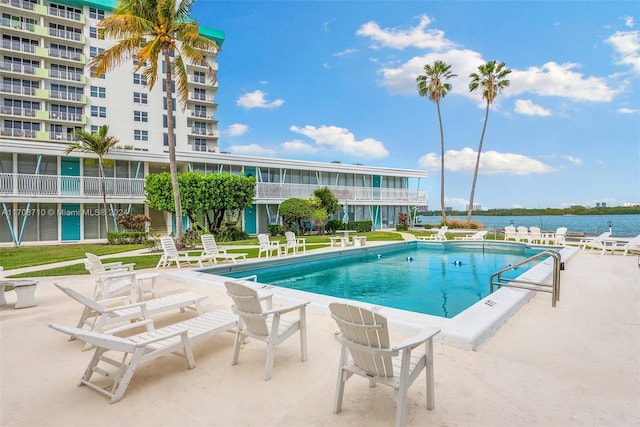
98	143
491	78
433	85
146	30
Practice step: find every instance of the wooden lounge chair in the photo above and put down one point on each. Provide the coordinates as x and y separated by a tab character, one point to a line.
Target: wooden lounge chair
367	352
440	235
211	248
171	254
143	348
268	326
294	243
97	315
267	246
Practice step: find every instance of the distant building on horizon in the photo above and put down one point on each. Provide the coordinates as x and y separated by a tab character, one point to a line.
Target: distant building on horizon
601	204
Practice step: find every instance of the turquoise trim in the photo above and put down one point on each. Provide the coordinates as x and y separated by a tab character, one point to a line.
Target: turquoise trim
9	223
217	36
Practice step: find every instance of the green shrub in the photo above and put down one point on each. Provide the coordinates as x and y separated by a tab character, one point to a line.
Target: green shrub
333	225
127	237
401	227
276	230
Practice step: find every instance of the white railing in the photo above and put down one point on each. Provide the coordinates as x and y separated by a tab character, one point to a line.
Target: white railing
74	186
273	192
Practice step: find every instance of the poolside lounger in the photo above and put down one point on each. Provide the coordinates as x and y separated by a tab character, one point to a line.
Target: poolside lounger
479	235
97	316
143	348
367	352
440	235
171	254
211	249
268	326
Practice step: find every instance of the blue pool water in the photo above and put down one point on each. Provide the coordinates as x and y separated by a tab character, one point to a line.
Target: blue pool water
440	280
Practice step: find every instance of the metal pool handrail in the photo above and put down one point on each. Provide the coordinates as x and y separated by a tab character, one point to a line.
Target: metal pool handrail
553	288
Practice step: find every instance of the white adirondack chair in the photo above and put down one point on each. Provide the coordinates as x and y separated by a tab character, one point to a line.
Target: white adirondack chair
294	243
269	326
211	248
143	348
97	266
535	235
510	233
632	245
522	233
478	235
594	241
171	254
367	352
98	316
267	246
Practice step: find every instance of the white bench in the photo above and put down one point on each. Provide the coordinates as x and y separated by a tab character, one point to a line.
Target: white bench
337	241
25	291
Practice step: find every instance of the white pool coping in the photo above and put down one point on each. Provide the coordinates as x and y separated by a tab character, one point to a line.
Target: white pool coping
468	330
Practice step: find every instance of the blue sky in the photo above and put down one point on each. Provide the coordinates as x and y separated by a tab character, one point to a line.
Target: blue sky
335	81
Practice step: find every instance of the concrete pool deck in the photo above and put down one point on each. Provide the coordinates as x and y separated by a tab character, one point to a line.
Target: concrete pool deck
576	364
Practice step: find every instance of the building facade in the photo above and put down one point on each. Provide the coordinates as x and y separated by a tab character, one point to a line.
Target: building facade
48	91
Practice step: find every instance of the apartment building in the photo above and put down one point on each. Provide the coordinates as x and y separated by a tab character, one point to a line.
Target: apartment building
48	91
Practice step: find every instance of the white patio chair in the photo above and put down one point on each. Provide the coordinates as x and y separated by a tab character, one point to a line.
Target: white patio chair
510	233
142	348
211	249
535	235
593	241
367	352
95	265
294	243
522	233
269	326
632	245
267	246
478	235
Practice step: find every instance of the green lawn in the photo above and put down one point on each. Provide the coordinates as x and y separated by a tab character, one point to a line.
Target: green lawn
28	256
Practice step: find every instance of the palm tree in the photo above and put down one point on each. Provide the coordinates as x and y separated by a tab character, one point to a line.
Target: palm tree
492	79
433	85
146	30
98	143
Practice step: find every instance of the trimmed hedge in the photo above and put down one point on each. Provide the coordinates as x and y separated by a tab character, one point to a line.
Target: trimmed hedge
127	237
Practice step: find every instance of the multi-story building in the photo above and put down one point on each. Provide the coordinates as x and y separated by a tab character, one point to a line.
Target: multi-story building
48	91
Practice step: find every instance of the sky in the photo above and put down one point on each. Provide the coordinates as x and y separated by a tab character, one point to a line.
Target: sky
335	81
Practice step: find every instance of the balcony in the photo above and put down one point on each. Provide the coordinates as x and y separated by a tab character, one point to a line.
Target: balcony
268	192
17	133
18	111
17	68
33	186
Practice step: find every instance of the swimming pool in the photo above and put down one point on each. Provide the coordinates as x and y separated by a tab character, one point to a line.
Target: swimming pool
439	280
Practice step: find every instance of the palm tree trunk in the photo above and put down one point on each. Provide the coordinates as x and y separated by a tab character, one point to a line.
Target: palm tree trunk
444	215
104	196
173	166
475	173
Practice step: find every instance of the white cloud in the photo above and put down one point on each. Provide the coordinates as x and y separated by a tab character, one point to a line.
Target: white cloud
340	140
574	160
559	80
627	46
528	108
629	21
237	129
418	36
624	110
252	150
345	52
256	99
402	79
491	163
298	146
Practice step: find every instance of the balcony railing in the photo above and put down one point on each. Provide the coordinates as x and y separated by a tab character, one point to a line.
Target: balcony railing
71	186
267	192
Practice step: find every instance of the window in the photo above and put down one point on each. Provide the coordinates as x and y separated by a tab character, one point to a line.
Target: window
165	139
140	135
140	98
199	144
140	116
94	51
94	128
164	86
199	94
198	77
98	92
95	13
139	79
96	33
173	103
98	111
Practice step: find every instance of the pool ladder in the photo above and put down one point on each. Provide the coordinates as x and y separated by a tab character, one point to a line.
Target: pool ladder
553	288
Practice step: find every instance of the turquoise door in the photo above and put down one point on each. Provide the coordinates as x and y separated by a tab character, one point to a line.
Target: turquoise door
70	214
70	171
250	219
